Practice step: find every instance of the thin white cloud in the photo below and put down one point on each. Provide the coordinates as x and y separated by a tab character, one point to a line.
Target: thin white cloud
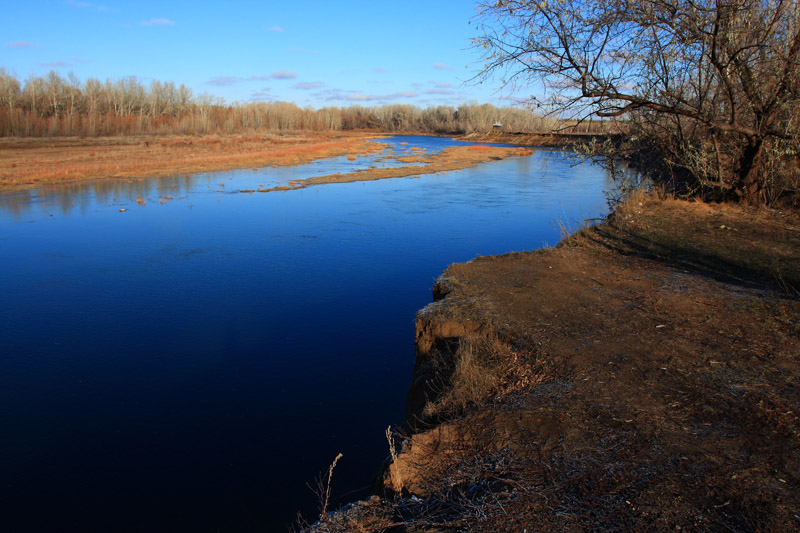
439	91
308	85
227	81
444	85
516	100
331	94
261	96
20	44
379	69
442	66
355	96
157	22
276	29
359	97
223	81
55	64
79	60
85	5
282	75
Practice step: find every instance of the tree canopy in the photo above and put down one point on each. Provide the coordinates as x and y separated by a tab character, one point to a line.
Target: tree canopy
717	82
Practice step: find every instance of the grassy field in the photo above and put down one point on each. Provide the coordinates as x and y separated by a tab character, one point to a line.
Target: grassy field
32	162
29	163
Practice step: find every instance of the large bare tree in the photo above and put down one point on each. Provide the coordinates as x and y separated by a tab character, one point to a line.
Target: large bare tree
718	82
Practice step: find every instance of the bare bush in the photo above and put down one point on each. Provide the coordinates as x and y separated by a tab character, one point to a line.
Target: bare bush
711	88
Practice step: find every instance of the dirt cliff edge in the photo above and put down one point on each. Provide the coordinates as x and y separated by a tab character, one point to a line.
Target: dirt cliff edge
645	373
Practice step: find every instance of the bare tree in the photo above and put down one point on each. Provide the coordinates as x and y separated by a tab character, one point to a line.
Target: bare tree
718	80
52	105
93	91
10	94
74	95
32	93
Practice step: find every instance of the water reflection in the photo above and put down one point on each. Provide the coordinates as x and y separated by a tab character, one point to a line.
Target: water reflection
83	196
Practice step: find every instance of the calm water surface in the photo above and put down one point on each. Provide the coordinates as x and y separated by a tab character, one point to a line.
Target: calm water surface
193	362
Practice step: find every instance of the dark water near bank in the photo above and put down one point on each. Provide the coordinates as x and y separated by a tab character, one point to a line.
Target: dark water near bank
193	362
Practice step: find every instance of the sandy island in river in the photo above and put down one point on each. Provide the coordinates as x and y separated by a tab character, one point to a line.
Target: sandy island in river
33	162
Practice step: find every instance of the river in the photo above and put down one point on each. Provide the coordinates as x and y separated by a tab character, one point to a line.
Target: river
179	355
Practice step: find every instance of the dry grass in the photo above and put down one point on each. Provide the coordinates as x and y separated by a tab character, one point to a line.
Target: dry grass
455	158
33	162
561	139
468	377
652	379
743	244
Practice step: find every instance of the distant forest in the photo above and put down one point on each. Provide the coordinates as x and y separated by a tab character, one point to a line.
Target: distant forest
52	105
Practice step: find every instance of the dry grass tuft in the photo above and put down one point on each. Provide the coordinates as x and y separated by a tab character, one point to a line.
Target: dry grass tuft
470	377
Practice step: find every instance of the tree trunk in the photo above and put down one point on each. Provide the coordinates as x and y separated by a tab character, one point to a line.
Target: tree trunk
751	180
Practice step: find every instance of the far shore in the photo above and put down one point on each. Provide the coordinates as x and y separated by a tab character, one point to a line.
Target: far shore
28	163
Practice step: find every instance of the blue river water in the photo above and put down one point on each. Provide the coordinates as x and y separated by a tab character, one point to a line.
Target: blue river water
176	355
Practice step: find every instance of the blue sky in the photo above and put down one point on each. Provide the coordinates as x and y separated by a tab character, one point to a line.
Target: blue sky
313	53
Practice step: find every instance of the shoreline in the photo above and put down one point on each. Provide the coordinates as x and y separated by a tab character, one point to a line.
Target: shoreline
550	140
643	371
449	159
28	163
40	162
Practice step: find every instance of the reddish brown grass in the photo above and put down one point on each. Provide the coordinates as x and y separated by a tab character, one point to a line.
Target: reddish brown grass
31	162
455	158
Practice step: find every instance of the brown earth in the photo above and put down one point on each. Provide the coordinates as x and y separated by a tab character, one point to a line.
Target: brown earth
532	139
642	375
33	162
36	162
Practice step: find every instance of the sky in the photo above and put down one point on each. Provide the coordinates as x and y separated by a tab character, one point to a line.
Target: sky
313	53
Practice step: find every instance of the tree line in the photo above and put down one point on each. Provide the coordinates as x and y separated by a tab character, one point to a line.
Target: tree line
52	105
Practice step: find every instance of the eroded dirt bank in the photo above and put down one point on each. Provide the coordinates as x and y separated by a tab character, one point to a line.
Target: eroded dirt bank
644	374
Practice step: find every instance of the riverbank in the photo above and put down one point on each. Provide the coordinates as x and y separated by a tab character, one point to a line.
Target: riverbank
555	139
643	373
34	162
27	163
449	159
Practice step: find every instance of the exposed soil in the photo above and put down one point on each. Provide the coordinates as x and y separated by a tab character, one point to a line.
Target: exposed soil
642	375
33	162
531	139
